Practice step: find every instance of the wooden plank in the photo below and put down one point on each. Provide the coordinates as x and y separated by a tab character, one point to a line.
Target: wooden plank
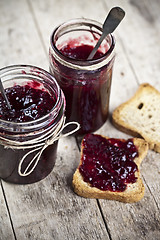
150	23
17	46
139	34
49	14
19	38
50	209
140	220
32	218
132	221
151	173
6	231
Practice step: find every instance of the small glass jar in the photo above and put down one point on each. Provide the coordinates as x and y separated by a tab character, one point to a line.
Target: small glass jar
18	140
85	83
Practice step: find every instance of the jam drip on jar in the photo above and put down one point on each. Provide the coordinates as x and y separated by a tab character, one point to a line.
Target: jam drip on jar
108	164
28	103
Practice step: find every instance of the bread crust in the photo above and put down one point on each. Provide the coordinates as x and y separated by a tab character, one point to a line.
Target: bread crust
133	193
126	122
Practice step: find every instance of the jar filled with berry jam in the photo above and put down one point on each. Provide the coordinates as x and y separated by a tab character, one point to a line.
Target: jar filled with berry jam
85	83
29	130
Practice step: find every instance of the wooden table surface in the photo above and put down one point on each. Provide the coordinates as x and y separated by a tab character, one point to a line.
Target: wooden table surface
50	209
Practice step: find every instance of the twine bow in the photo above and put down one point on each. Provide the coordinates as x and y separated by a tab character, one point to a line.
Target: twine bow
39	144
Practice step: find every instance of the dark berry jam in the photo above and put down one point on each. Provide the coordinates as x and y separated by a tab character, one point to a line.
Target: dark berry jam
108	164
10	158
86	91
79	52
28	103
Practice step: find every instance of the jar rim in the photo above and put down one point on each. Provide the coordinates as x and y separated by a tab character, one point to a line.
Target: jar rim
82	63
35	69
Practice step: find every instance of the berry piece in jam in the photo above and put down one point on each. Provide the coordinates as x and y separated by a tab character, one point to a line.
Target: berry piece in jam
108	164
28	103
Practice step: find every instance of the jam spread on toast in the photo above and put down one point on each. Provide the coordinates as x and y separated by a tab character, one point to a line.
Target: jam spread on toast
108	164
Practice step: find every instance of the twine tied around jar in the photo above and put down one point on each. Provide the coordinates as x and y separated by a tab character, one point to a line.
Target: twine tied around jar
39	144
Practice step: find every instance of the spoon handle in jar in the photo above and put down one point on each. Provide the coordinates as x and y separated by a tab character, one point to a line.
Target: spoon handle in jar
4	95
111	22
91	55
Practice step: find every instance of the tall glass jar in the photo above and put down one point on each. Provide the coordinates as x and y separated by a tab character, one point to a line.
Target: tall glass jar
22	143
85	83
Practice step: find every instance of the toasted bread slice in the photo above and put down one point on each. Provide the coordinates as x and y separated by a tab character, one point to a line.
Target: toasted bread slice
139	116
134	191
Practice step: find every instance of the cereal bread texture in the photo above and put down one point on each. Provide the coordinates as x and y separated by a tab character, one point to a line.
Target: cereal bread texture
133	193
140	116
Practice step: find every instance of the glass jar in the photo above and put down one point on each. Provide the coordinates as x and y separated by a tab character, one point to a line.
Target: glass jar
25	156
85	83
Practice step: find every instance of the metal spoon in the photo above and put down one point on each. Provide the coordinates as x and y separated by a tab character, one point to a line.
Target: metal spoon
113	19
4	95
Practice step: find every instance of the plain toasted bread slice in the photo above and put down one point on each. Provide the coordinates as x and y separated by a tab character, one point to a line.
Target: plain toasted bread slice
134	191
140	116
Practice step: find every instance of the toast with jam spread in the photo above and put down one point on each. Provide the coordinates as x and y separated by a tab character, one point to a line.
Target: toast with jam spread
139	116
109	168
